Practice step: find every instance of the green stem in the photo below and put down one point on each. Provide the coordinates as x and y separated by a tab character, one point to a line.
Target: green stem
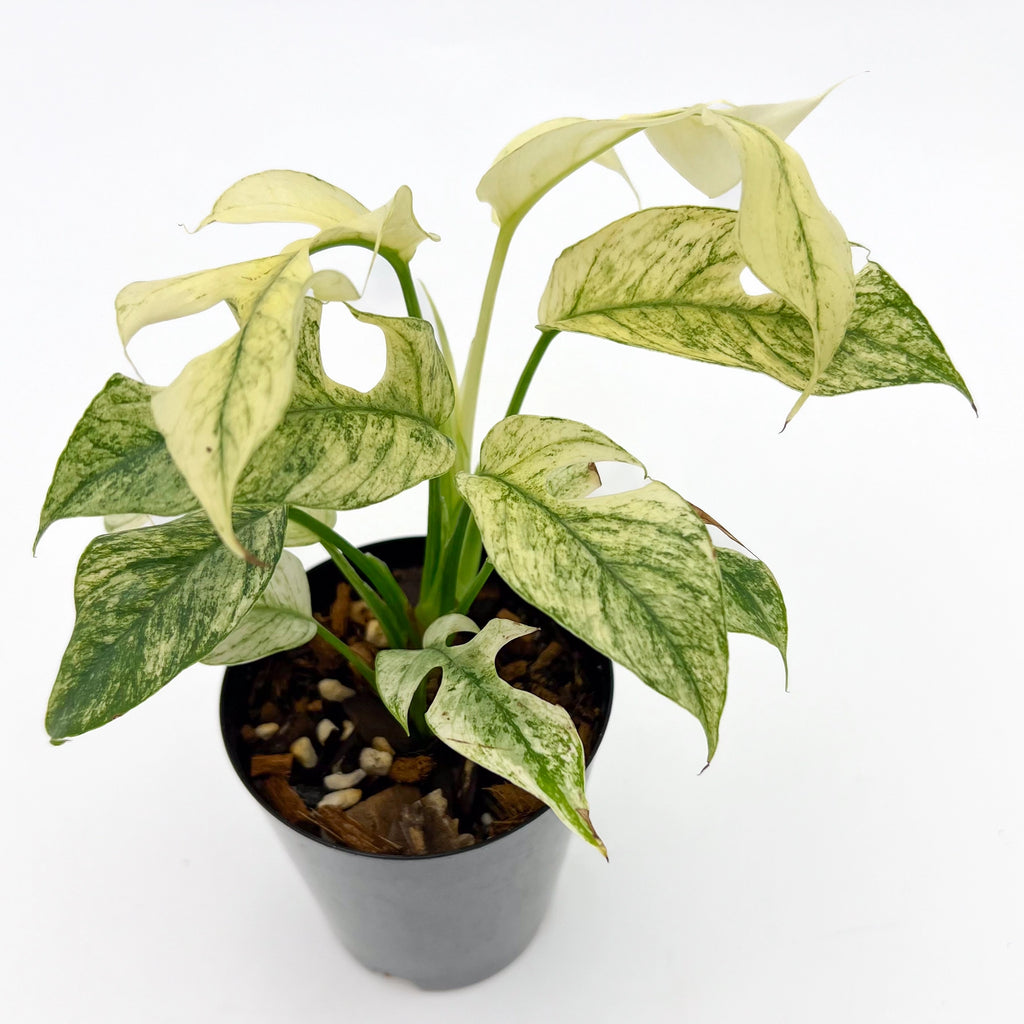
526	377
400	267
348	654
470	390
474	588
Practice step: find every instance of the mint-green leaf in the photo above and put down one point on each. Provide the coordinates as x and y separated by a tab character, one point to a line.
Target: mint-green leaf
151	602
632	574
668	279
281	618
515	734
753	600
298	536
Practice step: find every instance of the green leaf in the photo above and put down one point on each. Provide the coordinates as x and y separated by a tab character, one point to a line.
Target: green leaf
294	197
668	279
633	574
239	285
116	462
753	600
298	536
336	448
226	402
790	240
515	734
281	618
151	602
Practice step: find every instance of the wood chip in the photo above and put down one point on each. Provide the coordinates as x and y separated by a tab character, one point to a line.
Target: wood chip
338	621
412	769
548	655
285	800
514	670
513	802
506	614
343	828
270	764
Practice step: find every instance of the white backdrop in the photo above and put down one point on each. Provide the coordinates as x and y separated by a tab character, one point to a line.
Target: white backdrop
855	852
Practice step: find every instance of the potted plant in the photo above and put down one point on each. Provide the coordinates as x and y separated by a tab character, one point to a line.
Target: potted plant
253	449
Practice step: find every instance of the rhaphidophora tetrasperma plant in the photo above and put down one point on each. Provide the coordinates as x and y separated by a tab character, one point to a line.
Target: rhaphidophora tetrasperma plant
253	449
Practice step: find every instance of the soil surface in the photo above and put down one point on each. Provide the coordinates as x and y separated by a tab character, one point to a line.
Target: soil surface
328	756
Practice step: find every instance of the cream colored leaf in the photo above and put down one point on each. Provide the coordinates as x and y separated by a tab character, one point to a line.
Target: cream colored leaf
290	197
332	286
701	151
121	523
226	402
281	618
791	241
298	536
239	285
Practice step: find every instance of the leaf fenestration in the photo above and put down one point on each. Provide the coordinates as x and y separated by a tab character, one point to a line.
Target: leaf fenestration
632	574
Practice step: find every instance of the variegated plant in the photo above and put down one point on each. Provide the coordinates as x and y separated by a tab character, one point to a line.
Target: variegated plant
253	448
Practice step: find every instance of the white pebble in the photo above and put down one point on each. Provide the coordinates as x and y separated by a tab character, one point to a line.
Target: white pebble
486	819
343	798
375	762
380	743
334	689
266	730
375	634
304	753
344	780
347	728
324	728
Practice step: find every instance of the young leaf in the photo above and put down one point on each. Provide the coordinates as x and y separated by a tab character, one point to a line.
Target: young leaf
515	734
151	602
753	600
281	618
698	149
668	279
294	197
632	574
791	241
226	402
239	285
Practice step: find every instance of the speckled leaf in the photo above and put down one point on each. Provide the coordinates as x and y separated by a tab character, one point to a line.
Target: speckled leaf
790	240
753	600
668	279
239	285
633	574
281	618
121	523
151	602
116	462
515	734
226	402
336	448
294	197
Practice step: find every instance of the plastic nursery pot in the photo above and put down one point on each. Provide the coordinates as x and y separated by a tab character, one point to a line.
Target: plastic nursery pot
443	920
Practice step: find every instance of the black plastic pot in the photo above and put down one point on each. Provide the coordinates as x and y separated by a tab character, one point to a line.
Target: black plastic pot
442	921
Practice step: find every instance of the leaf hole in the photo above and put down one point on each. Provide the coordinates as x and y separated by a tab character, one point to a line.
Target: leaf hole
618	477
353	353
752	284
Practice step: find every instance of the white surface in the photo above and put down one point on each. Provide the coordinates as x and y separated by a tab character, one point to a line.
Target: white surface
855	852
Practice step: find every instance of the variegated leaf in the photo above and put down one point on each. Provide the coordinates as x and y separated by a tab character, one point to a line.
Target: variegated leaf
226	402
298	536
281	618
515	734
116	462
124	522
294	197
753	600
151	602
633	574
790	240
336	448
239	285
668	279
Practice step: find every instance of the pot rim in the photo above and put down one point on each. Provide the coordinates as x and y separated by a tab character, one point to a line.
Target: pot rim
247	781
